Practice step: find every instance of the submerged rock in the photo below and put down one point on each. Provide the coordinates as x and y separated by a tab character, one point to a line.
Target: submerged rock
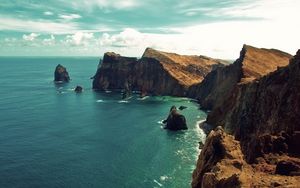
175	121
78	89
182	107
61	74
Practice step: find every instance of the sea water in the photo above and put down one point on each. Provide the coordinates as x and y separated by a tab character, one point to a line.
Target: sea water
52	137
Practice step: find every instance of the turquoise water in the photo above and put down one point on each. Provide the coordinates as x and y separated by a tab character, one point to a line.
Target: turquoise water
53	137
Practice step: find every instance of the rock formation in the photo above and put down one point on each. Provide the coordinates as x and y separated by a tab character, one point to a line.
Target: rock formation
157	73
263	115
175	121
221	164
253	63
78	89
61	74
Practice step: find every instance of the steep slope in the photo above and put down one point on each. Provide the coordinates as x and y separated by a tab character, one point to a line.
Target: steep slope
253	63
221	164
265	106
158	73
264	117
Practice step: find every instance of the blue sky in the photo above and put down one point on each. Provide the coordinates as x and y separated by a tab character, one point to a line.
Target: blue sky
216	28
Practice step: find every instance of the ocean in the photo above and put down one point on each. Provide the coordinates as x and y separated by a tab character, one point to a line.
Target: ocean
52	137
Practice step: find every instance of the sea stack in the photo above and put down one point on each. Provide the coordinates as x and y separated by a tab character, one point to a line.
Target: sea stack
259	144
175	121
156	73
61	74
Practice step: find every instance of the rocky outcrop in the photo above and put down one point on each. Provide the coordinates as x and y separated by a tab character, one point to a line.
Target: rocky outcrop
221	164
175	121
61	74
78	89
253	63
263	116
157	73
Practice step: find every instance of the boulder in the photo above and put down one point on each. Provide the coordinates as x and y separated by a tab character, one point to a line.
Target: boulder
287	167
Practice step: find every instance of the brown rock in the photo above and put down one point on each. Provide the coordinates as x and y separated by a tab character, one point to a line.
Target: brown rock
288	168
221	164
220	152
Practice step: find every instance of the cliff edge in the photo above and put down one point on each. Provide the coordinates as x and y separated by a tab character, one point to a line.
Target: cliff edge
252	64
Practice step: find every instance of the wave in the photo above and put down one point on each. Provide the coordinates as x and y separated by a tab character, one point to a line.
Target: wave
100	100
155	181
143	98
123	101
160	122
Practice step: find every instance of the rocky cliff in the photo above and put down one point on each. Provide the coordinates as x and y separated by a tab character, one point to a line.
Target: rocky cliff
253	63
157	72
264	117
221	164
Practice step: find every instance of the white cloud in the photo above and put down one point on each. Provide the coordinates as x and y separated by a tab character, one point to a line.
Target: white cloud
30	37
48	13
15	24
127	38
277	27
107	4
69	16
80	38
49	41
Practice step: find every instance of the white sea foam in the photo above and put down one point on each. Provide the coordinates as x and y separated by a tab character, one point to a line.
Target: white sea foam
164	178
123	101
108	91
100	100
143	98
155	181
160	122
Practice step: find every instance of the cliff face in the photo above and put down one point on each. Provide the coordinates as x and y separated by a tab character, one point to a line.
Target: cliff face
253	63
265	106
157	72
264	117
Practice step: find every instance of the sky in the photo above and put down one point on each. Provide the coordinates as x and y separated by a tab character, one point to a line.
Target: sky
216	28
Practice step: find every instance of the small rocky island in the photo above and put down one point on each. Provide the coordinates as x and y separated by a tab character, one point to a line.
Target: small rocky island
61	74
175	120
